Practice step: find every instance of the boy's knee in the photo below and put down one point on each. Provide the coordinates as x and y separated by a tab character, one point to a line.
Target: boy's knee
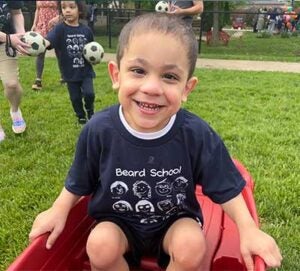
186	245
103	248
100	251
189	254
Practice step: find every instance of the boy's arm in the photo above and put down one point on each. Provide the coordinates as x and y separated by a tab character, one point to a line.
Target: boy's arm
253	241
53	220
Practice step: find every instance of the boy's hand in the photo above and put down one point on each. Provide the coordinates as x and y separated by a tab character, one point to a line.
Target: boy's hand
256	242
48	221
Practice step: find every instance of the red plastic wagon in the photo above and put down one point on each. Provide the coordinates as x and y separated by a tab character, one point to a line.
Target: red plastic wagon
69	253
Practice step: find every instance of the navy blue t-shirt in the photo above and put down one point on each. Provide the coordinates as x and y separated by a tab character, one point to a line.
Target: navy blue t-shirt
147	182
6	25
69	42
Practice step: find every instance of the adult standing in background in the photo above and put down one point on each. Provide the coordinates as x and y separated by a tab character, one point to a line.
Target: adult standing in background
186	9
11	30
91	14
46	13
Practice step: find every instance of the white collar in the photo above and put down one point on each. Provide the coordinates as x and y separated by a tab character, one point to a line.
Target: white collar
146	136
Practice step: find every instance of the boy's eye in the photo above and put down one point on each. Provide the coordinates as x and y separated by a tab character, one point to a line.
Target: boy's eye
138	70
170	76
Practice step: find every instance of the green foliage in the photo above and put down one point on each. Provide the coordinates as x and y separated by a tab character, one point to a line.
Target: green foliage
285	35
295	34
264	35
256	114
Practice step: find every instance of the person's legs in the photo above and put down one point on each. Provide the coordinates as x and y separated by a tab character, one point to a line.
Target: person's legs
185	243
87	88
74	89
106	246
9	74
39	64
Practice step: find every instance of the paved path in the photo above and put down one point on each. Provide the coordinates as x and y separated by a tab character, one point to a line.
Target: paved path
241	65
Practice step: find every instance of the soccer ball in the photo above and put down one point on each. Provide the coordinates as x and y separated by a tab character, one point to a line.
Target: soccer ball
93	52
162	6
36	41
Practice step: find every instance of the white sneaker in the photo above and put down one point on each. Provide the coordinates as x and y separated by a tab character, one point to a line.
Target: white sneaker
19	124
2	135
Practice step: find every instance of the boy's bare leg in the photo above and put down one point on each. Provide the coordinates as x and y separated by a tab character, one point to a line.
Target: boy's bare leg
185	243
106	246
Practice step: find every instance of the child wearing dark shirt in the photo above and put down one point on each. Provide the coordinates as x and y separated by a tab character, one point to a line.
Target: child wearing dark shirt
69	38
142	159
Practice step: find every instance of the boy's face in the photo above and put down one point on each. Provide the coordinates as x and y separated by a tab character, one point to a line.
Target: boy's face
70	12
152	80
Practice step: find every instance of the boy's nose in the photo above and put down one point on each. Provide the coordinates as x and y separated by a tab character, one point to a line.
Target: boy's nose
152	86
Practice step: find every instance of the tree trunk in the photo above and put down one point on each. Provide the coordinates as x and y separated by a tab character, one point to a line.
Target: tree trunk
215	32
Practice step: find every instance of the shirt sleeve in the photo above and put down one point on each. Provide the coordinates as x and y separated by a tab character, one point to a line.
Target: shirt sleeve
83	176
54	36
221	181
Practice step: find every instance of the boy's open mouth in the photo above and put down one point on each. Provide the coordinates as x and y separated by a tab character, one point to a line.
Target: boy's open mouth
148	106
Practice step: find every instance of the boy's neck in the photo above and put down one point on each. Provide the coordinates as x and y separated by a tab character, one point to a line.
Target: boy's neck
72	24
146	136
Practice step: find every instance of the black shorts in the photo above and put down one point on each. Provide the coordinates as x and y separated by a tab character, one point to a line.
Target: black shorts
144	244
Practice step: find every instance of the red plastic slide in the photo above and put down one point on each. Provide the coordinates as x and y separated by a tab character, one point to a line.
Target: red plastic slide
68	253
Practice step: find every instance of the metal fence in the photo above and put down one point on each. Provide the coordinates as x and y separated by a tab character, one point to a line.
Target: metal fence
234	28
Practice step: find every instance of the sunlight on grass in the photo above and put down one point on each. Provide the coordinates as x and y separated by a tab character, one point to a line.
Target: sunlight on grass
256	113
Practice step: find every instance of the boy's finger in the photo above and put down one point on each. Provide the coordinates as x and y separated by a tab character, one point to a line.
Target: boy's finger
52	238
273	260
34	233
248	262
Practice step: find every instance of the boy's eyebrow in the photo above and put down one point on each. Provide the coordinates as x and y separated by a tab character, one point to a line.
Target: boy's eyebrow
144	62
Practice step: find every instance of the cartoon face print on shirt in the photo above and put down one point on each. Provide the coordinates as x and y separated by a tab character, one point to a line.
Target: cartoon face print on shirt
122	206
144	206
180	184
142	190
118	189
75	44
163	187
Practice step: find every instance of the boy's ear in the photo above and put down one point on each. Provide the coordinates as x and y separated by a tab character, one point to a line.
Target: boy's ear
113	71
190	85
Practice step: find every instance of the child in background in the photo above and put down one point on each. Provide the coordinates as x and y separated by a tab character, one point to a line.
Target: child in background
45	12
141	160
69	38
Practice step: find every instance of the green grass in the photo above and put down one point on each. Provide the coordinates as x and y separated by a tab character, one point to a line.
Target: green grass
256	113
249	47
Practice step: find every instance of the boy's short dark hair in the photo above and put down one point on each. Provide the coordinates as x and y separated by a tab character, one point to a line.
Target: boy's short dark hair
81	8
163	23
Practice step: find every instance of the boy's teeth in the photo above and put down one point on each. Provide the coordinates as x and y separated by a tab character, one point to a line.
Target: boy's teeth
149	106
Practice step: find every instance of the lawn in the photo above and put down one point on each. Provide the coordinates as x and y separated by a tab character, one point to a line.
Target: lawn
249	47
256	113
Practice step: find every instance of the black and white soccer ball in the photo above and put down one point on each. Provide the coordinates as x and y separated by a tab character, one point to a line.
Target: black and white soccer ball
93	52
36	41
162	6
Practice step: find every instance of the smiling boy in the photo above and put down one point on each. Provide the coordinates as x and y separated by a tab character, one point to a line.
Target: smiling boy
144	213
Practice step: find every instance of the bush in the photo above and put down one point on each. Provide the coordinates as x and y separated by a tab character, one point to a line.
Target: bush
264	35
285	35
